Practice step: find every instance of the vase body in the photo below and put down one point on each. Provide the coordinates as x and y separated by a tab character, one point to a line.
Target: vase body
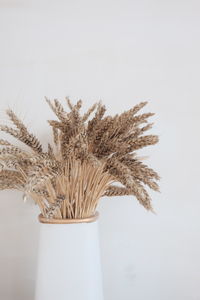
69	265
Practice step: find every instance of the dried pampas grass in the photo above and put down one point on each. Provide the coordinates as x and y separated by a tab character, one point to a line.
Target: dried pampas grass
87	156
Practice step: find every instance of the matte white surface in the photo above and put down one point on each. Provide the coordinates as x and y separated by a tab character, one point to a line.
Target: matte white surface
121	51
69	265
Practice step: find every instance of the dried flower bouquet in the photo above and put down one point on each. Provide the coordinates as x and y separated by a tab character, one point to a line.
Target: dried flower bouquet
87	157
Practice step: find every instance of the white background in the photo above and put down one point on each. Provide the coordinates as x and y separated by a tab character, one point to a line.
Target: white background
122	52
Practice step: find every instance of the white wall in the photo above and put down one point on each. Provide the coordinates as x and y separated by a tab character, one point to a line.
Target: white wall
123	52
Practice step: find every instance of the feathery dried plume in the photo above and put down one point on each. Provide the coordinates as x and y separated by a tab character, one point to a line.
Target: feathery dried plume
16	121
86	158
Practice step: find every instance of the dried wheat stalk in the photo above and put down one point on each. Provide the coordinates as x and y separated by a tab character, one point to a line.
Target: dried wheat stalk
85	159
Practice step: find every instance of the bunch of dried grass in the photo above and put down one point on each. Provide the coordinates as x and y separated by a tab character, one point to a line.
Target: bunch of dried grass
86	158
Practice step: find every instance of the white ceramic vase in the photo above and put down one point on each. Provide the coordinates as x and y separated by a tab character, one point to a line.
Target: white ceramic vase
69	266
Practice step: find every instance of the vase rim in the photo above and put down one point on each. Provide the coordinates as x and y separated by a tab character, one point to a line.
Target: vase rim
90	219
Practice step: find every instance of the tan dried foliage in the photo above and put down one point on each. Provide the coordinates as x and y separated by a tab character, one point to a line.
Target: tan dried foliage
87	155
